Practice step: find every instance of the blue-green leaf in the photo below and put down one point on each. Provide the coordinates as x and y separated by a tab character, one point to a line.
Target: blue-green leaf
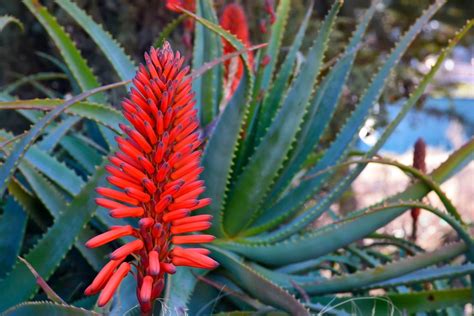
52	247
265	73
85	155
55	170
330	238
274	97
369	277
294	199
324	103
252	185
7	19
395	304
207	47
220	151
179	289
49	142
256	284
47	309
12	229
427	275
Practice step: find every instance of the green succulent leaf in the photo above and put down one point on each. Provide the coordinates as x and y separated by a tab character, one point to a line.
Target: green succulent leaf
426	275
112	50
286	281
123	303
52	199
83	75
264	75
220	152
234	41
399	304
12	229
47	309
256	284
78	66
361	224
324	104
30	205
450	208
252	185
49	142
52	247
314	264
80	151
272	99
365	278
55	202
207	47
97	112
8	89
179	289
22	146
62	66
55	170
295	198
168	29
7	19
288	205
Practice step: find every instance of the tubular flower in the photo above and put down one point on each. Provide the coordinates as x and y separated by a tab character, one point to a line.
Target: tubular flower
233	19
156	177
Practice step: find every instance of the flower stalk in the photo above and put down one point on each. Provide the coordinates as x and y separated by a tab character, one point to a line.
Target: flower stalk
419	157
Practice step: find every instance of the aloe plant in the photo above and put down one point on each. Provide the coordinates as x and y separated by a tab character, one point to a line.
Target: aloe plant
266	184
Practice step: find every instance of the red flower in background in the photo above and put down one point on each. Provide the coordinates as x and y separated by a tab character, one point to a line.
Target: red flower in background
155	172
190	5
233	19
176	5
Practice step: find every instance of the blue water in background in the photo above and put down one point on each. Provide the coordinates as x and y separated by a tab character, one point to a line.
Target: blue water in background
428	125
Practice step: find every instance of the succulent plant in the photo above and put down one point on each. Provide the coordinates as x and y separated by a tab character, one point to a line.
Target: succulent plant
268	173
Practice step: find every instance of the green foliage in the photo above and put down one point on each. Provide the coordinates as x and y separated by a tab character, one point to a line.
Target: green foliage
261	171
7	19
47	309
208	47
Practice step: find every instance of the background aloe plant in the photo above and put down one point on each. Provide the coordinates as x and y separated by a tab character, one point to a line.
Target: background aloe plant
266	170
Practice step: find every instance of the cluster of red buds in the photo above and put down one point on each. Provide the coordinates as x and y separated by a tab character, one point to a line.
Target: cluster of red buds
156	177
419	157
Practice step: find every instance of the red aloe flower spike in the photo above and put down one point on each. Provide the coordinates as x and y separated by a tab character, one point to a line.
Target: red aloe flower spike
419	157
155	173
233	19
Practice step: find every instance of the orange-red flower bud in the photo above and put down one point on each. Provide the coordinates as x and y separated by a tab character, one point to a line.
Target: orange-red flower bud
127	249
102	277
110	235
113	284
